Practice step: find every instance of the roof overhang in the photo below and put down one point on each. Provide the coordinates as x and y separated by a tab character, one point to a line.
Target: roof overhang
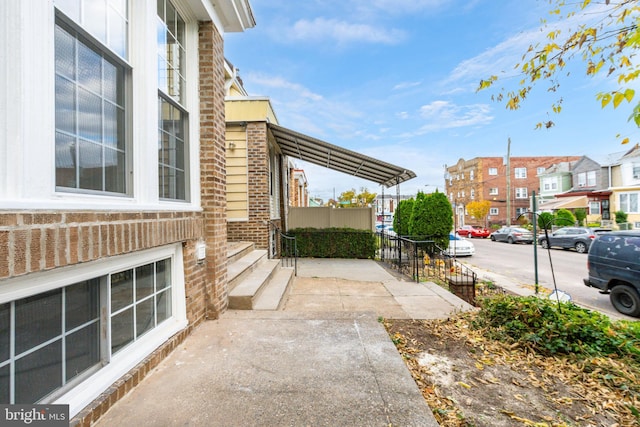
312	150
564	203
231	16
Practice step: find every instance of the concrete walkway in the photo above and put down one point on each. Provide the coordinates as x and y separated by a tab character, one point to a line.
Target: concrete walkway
325	360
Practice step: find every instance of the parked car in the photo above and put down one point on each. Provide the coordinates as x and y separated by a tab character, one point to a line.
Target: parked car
386	228
473	231
459	246
512	235
614	268
578	238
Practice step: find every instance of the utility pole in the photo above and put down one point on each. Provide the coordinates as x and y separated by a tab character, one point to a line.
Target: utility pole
509	182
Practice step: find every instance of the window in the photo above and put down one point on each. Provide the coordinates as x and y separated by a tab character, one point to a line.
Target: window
462	193
587	179
521	211
594	208
472	194
636	171
56	338
140	300
493	191
493	211
629	202
521	172
549	184
471	174
493	171
90	145
540	170
172	118
521	193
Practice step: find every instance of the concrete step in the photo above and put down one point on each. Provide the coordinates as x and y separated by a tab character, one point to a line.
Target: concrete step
246	291
236	250
239	269
275	292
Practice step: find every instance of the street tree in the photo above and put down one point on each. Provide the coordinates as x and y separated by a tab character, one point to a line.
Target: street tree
432	217
353	199
603	35
479	209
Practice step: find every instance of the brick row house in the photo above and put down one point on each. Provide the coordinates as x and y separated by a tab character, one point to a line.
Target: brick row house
486	178
604	187
113	226
581	184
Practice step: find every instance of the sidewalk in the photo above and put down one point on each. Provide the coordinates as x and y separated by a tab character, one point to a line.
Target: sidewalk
324	360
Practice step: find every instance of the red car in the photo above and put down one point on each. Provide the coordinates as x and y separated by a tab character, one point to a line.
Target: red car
472	231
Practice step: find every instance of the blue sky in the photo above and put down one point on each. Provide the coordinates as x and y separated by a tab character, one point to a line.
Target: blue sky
396	80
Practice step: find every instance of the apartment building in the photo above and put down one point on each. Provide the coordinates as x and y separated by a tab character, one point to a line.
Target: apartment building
506	183
112	191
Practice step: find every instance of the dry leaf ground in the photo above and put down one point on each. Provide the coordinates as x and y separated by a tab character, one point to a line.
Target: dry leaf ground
468	380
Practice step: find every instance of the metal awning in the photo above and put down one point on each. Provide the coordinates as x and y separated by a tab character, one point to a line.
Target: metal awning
312	150
564	203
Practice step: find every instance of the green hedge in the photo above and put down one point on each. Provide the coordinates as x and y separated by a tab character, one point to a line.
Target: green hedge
334	243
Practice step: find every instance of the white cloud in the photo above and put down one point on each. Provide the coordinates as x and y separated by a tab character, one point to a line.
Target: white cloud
276	82
406	85
321	29
442	115
502	59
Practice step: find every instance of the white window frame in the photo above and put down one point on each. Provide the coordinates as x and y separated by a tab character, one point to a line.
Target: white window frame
540	170
121	362
494	211
471	175
493	171
629	202
81	36
493	191
520	173
550	183
591	179
27	180
636	170
174	97
522	193
594	208
472	194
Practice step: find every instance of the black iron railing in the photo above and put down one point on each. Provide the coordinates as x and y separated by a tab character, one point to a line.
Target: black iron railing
424	260
285	248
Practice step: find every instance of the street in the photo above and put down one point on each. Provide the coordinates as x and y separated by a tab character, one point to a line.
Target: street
517	262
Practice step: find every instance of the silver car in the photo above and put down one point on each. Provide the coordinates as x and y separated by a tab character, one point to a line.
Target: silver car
512	235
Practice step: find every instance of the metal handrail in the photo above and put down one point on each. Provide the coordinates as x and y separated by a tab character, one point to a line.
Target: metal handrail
287	250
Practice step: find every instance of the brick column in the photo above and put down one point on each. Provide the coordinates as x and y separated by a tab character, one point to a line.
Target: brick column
212	165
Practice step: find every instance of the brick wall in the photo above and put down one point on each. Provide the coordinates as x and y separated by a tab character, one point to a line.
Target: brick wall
36	241
212	166
256	229
483	182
